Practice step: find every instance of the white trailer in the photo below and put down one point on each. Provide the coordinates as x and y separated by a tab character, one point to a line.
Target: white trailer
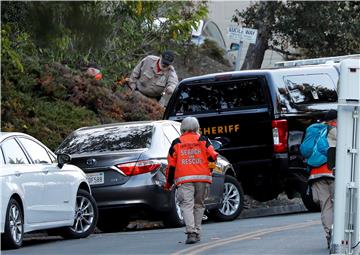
346	228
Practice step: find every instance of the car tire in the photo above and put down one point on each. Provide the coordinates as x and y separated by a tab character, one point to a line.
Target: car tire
112	221
12	237
307	199
233	201
174	218
85	218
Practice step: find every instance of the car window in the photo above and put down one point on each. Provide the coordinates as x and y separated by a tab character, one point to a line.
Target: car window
103	139
314	88
13	153
212	31
220	96
37	153
170	133
53	159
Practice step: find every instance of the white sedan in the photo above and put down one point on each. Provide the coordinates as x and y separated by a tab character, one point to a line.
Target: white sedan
40	191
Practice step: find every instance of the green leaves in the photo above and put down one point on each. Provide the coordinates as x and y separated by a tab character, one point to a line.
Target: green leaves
313	28
7	50
47	45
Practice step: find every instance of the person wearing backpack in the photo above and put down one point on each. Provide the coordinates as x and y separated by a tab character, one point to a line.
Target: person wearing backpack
318	148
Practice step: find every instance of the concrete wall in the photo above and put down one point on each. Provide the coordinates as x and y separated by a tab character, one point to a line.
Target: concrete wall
221	12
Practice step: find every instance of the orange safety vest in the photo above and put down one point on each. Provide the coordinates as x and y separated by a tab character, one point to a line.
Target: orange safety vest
323	170
189	158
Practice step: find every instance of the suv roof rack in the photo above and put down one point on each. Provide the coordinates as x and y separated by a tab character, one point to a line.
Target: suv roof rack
314	61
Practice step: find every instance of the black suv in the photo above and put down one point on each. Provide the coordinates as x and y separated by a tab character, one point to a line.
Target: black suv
260	117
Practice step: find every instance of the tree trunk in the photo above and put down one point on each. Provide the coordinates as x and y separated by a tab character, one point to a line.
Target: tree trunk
255	53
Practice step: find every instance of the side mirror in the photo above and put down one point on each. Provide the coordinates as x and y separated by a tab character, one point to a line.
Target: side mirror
63	159
234	46
217	145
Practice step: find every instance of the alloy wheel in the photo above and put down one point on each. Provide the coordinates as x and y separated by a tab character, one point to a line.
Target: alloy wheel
84	215
231	199
15	222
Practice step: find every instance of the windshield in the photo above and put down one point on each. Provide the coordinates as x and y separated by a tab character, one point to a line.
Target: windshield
247	93
107	139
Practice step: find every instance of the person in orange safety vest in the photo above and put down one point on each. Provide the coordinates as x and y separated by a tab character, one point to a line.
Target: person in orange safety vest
188	169
322	178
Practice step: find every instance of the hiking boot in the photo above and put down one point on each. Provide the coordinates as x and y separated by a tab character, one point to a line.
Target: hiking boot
197	237
191	238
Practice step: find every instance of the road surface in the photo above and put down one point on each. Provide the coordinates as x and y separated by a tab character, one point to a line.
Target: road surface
286	234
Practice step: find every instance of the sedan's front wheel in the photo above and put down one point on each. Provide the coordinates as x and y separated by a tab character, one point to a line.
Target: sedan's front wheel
232	202
14	226
85	218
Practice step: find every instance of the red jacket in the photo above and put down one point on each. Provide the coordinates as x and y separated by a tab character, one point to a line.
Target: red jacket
188	159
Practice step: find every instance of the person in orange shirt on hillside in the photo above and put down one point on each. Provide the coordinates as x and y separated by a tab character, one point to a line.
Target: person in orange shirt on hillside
188	169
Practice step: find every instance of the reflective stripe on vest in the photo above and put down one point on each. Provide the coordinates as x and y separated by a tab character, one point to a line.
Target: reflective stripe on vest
316	176
321	171
193	178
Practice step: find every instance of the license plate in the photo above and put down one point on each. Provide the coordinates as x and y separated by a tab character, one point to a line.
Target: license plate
95	178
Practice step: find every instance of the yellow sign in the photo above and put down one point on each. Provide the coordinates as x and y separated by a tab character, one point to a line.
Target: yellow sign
217	130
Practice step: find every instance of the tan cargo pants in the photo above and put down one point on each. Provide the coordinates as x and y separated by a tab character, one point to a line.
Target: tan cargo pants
323	194
191	197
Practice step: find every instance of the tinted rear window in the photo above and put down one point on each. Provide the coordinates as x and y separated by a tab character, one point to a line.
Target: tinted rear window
220	96
314	88
107	139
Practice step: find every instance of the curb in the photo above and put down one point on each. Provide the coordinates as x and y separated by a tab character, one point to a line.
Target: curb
274	210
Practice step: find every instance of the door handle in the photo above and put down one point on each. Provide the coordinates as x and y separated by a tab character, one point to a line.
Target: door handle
45	171
17	173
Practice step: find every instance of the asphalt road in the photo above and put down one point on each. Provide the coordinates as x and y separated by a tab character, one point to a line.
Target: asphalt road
286	234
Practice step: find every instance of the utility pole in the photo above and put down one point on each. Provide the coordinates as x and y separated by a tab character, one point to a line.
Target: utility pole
346	230
238	58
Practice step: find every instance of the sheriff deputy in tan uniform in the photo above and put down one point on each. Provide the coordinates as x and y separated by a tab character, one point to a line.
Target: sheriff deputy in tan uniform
155	77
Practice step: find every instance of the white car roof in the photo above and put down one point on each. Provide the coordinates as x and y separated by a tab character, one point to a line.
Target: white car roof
153	122
4	135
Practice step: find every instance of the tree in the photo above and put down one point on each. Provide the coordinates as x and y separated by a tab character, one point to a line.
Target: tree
313	28
261	16
45	44
322	29
106	32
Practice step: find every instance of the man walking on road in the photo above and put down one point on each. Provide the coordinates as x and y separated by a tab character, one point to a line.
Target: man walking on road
188	161
322	177
155	77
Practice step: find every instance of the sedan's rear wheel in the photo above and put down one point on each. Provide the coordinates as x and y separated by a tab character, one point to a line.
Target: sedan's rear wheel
85	218
232	202
14	226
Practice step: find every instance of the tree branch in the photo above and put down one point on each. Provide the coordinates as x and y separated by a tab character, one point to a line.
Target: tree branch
288	53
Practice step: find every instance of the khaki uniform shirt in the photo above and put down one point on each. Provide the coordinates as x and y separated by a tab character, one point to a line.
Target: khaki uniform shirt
151	83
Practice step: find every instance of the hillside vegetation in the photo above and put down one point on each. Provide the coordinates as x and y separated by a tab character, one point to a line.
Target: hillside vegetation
45	91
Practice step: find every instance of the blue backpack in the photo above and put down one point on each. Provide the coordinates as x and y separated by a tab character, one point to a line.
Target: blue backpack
315	145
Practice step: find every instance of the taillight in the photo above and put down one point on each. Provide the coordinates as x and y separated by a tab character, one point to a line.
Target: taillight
280	135
139	167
